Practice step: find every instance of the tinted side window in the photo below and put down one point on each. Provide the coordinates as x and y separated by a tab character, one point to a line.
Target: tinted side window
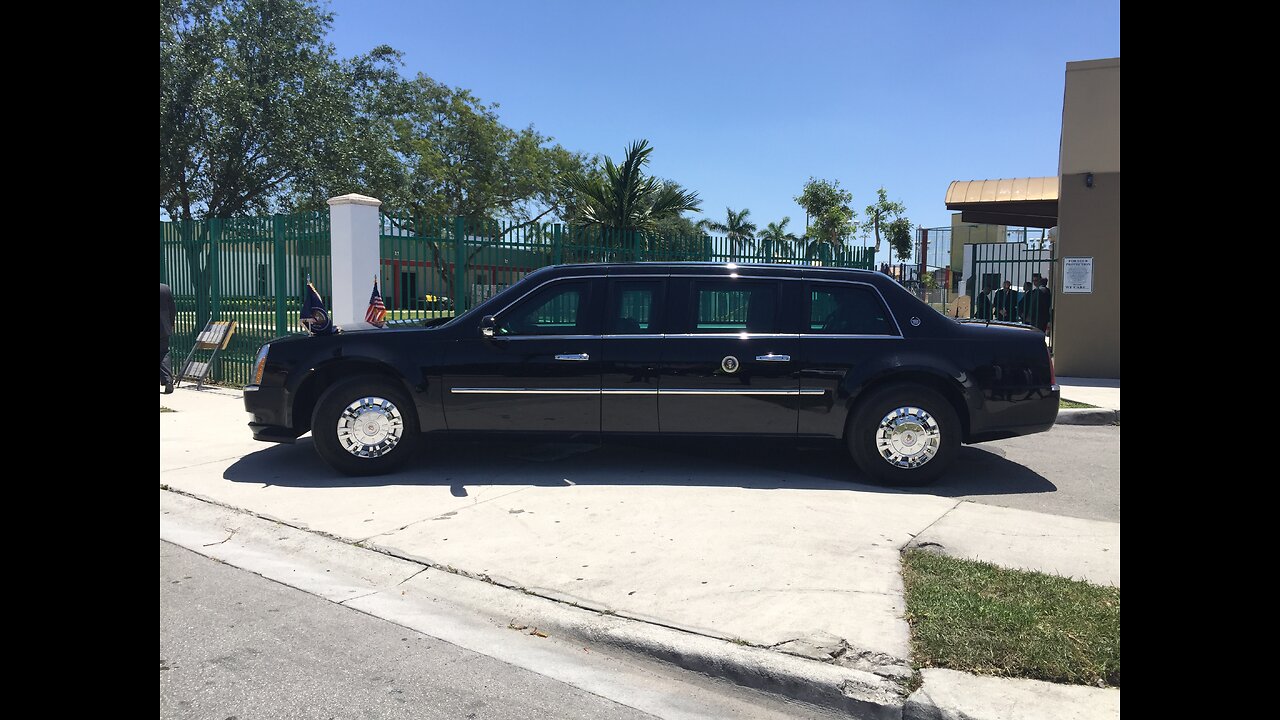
634	307
729	306
847	310
557	309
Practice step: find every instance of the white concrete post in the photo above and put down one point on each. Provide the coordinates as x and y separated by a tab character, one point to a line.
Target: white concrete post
354	231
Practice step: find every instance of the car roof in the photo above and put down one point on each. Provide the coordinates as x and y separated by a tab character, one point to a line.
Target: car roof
683	268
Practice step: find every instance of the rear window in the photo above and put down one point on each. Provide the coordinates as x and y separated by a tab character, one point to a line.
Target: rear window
847	310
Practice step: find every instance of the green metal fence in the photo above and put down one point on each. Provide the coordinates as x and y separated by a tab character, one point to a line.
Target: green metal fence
250	270
254	270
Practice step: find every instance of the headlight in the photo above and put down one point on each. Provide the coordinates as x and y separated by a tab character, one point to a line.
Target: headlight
259	364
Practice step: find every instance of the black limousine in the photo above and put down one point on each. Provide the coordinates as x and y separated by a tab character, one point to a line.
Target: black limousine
668	349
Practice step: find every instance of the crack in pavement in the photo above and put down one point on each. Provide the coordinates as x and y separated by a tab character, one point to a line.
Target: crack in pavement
233	534
451	513
926	527
424	569
200	464
365	595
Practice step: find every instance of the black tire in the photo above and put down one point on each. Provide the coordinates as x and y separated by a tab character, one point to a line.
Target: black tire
385	421
864	428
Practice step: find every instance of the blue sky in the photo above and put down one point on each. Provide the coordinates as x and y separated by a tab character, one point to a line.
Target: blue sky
744	101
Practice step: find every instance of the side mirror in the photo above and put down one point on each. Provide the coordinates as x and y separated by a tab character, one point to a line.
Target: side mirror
488	326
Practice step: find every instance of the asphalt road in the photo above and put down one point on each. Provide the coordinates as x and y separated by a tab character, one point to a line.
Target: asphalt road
236	645
233	644
1072	470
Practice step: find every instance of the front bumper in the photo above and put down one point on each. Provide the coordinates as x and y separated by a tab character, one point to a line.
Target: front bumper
269	408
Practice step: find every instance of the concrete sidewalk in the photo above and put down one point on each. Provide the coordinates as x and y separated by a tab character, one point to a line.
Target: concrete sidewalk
1104	393
741	552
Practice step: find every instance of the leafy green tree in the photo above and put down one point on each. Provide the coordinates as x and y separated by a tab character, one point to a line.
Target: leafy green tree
898	233
459	160
886	214
255	106
677	238
776	241
256	110
740	231
831	219
678	226
623	197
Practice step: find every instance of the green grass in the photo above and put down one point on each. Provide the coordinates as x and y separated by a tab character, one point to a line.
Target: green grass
1074	404
979	618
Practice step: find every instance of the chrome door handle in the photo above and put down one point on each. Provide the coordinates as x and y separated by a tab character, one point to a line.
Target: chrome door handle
578	357
773	358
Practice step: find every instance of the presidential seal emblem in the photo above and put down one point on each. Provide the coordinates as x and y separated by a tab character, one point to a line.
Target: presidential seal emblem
729	364
915	322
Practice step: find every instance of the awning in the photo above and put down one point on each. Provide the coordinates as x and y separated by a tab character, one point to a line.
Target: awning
1030	202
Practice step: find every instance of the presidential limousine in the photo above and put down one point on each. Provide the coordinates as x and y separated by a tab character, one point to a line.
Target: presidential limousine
668	349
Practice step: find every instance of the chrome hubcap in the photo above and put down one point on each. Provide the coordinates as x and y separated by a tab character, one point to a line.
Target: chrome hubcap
370	427
908	437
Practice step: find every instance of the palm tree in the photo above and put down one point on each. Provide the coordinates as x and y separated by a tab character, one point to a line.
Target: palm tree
775	238
622	197
737	228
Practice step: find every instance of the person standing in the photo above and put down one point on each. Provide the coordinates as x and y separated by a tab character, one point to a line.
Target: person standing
1006	303
1023	301
982	305
168	311
1040	304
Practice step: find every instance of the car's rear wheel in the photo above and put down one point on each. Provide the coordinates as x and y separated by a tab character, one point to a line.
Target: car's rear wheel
903	435
365	426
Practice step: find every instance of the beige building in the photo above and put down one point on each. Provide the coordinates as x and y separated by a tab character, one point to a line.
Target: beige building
1082	204
1086	279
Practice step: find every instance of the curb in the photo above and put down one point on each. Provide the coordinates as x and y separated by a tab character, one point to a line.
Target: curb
1088	416
411	592
953	695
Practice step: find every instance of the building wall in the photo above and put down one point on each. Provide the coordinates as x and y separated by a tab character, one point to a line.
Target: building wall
1091	118
1086	327
963	233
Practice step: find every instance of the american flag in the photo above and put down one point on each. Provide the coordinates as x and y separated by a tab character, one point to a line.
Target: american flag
376	315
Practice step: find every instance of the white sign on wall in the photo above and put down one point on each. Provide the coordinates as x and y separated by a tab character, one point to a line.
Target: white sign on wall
1077	275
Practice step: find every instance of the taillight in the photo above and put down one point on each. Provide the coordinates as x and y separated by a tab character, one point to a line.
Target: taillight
1053	374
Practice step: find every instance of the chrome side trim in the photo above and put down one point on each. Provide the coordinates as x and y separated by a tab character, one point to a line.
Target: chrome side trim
574	357
513	338
833	336
524	391
773	358
742	335
718	391
624	391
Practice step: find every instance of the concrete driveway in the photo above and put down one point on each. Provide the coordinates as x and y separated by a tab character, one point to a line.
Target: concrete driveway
746	541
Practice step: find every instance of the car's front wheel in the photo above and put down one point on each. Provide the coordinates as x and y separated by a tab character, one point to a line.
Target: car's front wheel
365	426
904	435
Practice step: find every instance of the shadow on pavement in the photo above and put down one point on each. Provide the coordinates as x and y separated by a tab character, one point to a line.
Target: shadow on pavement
754	464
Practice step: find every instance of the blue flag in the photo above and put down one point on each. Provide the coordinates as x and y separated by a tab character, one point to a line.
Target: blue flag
315	318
